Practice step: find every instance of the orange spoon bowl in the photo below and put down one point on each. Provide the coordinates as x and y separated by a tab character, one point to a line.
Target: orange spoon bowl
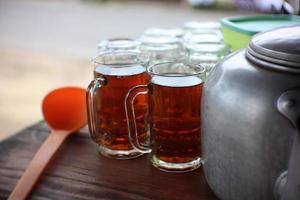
65	108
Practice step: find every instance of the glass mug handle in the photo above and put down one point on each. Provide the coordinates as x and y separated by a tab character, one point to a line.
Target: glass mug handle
130	117
91	107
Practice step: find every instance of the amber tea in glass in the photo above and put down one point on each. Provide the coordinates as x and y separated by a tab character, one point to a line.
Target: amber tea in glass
174	96
115	73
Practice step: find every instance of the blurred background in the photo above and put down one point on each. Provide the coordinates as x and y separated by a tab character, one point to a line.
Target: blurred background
49	43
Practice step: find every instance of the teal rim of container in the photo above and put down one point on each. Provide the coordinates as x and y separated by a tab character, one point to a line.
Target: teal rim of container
233	23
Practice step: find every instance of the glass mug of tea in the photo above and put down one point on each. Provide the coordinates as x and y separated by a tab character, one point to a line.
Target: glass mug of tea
174	96
115	73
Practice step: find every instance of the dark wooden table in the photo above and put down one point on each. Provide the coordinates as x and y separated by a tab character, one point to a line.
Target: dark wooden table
77	171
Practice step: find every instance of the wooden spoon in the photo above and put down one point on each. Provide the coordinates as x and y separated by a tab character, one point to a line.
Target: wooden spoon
64	110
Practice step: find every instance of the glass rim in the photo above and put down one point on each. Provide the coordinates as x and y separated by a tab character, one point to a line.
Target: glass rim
122	42
117	39
158	40
212	25
164	31
202	38
181	74
207	47
136	61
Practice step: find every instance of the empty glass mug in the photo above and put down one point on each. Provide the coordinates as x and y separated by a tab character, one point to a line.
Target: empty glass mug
115	73
208	54
174	95
161	48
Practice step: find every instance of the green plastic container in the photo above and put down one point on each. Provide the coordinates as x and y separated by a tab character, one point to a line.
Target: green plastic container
238	31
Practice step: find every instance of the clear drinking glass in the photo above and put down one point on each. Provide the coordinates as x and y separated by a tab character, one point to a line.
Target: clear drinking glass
174	96
209	61
205	49
161	49
207	54
115	73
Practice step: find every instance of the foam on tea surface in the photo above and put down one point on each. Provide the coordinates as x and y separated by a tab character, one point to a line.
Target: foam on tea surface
173	81
120	71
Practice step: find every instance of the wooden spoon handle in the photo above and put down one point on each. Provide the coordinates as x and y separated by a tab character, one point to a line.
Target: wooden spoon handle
38	164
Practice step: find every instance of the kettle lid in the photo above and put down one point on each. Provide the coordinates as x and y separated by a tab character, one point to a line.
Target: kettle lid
278	48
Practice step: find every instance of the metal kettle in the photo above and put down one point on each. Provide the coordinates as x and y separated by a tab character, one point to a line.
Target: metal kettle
251	120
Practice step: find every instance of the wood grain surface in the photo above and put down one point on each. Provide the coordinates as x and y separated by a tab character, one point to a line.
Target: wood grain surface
77	171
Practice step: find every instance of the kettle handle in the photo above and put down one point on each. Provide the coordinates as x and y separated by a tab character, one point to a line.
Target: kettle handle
288	104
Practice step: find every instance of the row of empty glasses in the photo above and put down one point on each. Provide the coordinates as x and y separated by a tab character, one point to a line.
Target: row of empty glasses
197	43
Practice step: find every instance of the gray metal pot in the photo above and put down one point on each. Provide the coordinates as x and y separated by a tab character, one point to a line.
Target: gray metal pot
251	120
